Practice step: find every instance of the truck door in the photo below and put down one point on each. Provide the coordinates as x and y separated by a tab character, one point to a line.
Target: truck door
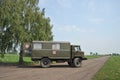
75	51
72	52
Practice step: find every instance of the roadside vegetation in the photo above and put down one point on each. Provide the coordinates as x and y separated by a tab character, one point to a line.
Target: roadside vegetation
92	56
110	71
13	59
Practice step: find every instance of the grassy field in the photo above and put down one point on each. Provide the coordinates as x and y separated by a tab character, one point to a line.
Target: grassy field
110	71
13	59
92	56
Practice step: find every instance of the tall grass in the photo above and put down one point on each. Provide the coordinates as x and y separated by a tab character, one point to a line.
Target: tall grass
110	71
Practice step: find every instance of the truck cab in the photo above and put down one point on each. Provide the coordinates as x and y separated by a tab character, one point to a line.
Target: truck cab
76	51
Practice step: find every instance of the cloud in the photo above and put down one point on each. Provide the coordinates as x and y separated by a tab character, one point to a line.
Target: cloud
65	3
69	28
89	4
96	20
72	28
42	2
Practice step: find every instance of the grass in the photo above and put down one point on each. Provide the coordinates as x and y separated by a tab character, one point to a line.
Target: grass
92	56
13	59
110	71
9	58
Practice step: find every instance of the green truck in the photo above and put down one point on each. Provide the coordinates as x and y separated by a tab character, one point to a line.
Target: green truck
48	51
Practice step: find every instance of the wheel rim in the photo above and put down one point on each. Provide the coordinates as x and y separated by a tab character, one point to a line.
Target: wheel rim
45	62
77	62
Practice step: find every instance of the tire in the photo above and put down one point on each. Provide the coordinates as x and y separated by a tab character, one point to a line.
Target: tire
45	62
77	62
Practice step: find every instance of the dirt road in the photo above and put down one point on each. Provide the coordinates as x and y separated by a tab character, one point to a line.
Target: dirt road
56	72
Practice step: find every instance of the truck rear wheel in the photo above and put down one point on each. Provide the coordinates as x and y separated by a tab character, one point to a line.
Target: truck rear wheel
77	62
45	62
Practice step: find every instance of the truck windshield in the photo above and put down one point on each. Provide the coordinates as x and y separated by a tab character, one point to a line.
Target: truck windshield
77	48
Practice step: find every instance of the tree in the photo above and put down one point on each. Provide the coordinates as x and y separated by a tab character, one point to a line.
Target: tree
21	22
91	53
96	53
5	33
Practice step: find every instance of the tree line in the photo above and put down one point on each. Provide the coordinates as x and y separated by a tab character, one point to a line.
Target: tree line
22	21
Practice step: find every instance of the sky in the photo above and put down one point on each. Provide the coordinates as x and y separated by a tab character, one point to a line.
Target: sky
93	24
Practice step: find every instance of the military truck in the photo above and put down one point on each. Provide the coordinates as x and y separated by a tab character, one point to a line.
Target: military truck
48	51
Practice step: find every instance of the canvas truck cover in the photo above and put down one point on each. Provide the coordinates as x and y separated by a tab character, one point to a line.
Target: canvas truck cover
51	49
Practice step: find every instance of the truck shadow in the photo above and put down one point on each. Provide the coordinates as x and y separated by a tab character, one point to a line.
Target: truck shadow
60	66
7	64
52	66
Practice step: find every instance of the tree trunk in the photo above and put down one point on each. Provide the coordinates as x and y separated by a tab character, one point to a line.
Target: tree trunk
21	55
2	55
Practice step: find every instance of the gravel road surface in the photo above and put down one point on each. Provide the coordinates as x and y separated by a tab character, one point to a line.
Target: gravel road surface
56	72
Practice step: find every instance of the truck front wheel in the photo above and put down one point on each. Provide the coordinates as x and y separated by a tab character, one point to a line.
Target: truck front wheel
45	62
77	62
